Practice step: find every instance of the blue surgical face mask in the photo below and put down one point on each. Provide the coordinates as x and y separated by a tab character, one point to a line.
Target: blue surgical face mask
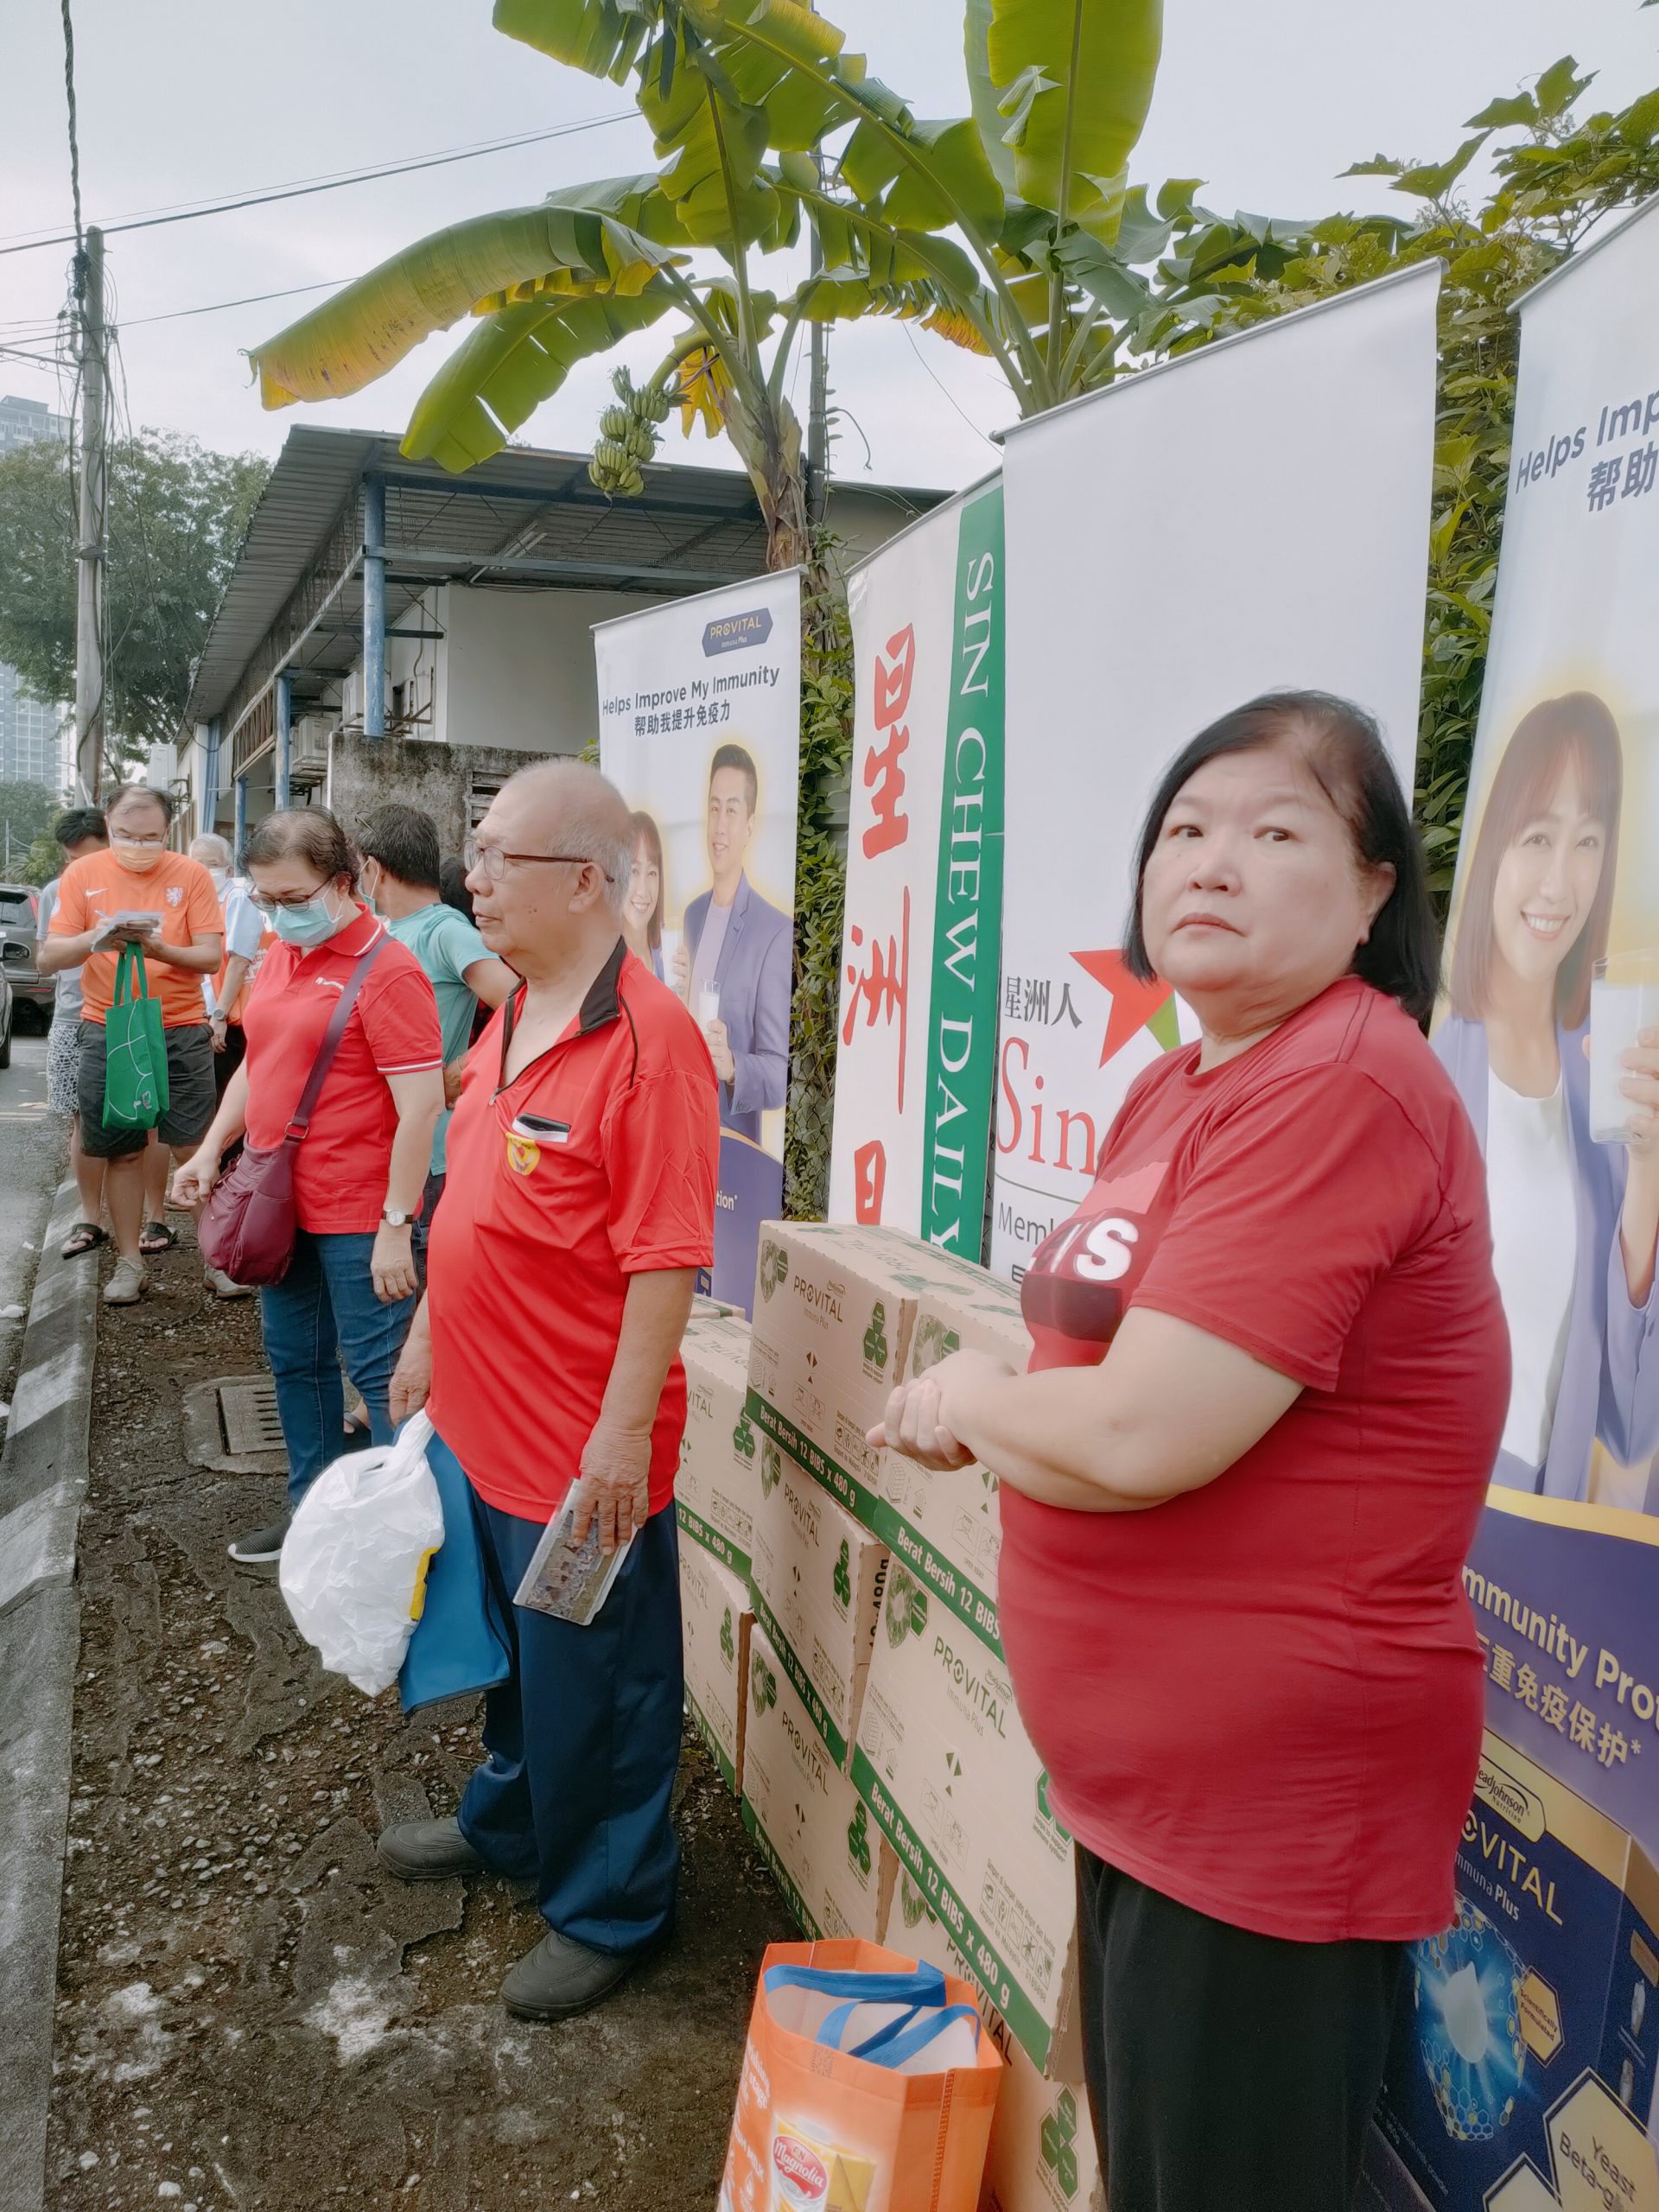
311	925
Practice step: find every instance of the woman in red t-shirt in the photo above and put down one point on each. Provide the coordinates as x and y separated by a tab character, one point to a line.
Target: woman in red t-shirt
1240	1479
359	1172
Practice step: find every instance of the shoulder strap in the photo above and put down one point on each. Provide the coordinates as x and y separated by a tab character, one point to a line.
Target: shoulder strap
331	1037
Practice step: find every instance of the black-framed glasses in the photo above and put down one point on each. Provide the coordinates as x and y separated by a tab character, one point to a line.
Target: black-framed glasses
493	860
268	905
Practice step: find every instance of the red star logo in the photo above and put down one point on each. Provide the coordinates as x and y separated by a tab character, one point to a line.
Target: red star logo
1134	1003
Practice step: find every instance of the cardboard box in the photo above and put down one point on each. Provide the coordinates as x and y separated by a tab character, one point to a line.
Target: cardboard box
809	1822
718	1482
1522	2067
717	1617
816	1581
1042	2156
842	1315
953	1783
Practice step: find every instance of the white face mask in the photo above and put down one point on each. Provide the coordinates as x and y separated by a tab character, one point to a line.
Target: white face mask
221	876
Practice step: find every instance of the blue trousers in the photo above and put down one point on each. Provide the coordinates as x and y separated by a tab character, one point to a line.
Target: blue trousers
323	1305
583	1741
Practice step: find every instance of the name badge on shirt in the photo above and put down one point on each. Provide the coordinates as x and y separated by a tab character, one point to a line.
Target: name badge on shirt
526	1138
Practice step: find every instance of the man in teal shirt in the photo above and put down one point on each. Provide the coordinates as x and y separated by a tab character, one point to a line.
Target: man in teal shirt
399	846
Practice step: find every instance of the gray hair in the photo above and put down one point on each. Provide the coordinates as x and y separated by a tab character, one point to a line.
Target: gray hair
594	821
210	849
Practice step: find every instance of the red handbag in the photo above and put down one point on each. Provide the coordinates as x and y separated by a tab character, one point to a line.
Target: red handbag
248	1226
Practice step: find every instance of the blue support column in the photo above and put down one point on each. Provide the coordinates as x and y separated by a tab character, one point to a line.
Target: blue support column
210	779
240	833
374	607
284	722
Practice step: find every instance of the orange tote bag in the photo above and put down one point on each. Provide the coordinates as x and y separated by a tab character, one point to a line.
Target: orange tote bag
868	2086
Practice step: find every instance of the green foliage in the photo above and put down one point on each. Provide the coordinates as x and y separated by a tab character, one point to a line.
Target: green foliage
27	813
1554	174
177	513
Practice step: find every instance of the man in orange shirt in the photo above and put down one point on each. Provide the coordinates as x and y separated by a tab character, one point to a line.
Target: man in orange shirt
138	875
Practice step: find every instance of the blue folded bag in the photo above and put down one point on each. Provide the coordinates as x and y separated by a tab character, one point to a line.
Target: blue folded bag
922	2013
459	1643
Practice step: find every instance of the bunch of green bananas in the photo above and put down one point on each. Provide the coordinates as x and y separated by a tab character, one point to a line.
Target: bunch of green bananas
627	436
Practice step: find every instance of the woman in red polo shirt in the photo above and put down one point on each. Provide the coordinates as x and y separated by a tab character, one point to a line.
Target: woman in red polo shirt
358	1175
1240	1478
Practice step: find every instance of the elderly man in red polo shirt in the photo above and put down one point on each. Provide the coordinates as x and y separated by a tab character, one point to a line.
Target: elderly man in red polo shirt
579	1207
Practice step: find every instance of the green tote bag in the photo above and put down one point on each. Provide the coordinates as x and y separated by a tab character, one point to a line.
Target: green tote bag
135	1050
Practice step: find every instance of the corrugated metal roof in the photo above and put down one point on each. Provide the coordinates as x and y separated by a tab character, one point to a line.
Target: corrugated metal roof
528	519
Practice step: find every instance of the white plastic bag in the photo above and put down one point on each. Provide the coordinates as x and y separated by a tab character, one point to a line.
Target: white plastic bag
354	1559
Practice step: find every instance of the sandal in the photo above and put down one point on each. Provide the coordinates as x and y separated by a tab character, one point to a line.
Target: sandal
85	1236
155	1237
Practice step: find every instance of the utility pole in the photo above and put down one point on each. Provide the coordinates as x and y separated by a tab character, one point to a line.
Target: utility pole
94	464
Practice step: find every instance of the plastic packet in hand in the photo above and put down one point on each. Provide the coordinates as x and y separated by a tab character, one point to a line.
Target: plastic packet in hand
571	1581
354	1560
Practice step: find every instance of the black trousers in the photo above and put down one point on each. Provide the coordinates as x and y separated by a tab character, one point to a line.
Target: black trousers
1227	2072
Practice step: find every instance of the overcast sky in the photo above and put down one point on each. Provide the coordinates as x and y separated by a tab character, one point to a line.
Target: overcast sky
185	99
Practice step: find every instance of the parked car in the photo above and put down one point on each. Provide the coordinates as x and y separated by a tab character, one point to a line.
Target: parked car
19	911
7	1004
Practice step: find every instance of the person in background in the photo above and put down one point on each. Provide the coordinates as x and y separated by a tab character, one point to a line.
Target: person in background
358	1173
399	847
1240	1479
1576	1223
224	997
81	831
452	885
582	1166
138	875
642	917
739	944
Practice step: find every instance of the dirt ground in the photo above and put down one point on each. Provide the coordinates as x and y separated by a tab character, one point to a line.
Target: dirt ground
251	2011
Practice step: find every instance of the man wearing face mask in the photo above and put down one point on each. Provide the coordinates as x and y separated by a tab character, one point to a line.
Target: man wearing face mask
178	922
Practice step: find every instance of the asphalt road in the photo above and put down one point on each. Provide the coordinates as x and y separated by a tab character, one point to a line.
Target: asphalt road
33	1149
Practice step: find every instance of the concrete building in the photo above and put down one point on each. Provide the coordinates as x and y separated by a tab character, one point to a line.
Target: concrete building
391	630
33	744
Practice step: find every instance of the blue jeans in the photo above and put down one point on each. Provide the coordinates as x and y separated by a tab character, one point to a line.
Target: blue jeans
323	1305
582	1742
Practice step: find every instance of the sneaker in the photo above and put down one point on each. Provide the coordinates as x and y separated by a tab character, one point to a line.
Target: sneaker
223	1286
260	1547
126	1285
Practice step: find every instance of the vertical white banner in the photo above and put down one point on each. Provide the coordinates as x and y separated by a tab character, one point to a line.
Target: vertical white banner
915	1060
699	728
1251	516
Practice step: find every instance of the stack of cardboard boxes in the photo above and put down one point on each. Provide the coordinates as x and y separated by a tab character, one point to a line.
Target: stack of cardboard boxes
884	1771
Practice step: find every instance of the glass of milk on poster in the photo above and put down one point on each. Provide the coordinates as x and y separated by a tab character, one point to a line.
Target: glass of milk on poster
669	949
1624	1002
707	1004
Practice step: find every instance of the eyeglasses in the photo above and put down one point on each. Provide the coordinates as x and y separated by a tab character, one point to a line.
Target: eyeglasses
493	861
267	904
126	838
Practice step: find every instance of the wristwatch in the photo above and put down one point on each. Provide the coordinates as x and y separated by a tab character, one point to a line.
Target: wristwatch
395	1218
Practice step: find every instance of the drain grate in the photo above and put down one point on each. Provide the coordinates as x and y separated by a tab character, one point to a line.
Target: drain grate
248	1413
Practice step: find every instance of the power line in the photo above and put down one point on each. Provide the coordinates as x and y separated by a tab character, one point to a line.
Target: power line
300	190
218	307
74	148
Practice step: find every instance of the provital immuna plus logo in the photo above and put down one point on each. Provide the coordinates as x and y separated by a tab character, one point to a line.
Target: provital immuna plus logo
763	1685
1047	1810
772	1466
906	1605
743	1437
773	1271
985	1693
876	1343
730	633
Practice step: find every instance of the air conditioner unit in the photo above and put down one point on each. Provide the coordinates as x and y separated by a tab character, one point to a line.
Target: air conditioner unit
308	761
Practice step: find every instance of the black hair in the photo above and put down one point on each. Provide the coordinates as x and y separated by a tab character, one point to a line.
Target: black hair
736	756
452	886
79	823
404	841
163	799
1344	752
310	831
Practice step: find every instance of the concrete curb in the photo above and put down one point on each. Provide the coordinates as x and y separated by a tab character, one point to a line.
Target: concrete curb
43	1471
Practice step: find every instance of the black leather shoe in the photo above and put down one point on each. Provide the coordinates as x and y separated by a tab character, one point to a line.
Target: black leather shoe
427	1851
560	1979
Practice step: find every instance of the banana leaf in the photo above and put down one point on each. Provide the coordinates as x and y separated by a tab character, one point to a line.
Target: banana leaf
1073	81
579	243
496	378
